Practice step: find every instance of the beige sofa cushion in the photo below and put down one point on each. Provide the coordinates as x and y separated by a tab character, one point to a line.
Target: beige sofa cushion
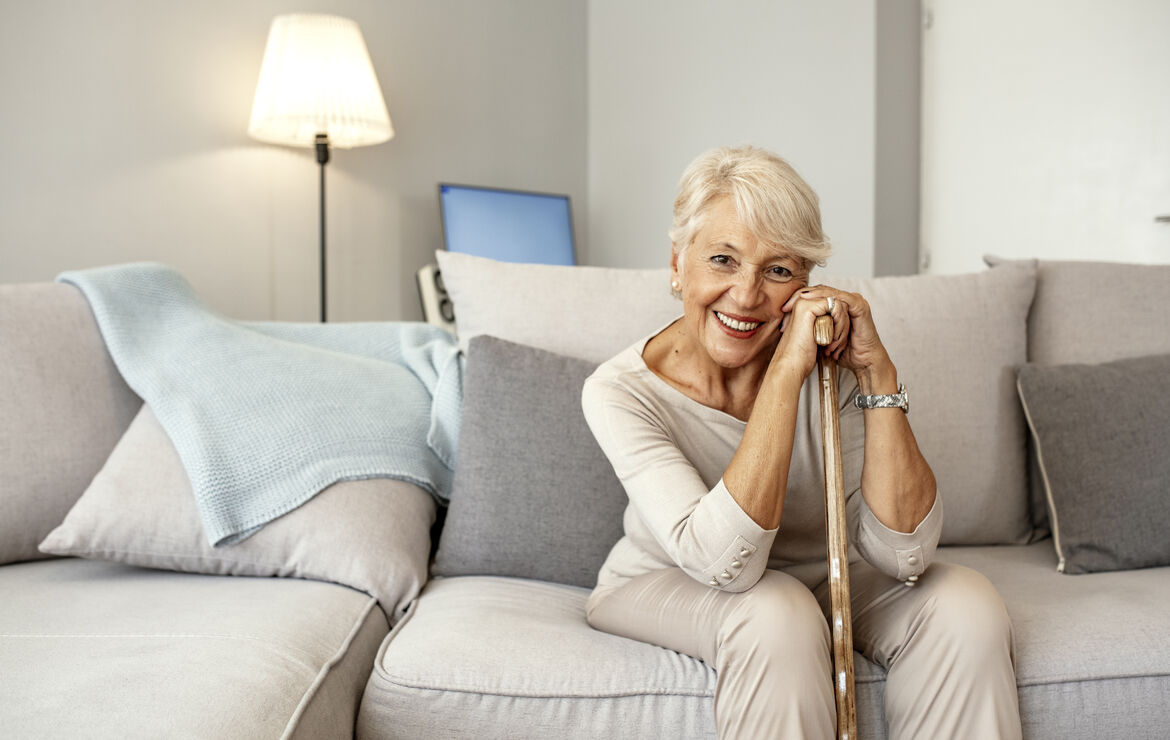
955	339
372	535
63	407
100	650
587	312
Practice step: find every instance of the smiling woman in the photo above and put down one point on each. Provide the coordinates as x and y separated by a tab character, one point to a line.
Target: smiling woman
713	428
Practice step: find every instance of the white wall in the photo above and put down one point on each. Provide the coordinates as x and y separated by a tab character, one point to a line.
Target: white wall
1046	131
669	79
125	124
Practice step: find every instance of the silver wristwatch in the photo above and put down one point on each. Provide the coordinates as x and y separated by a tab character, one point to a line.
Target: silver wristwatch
899	400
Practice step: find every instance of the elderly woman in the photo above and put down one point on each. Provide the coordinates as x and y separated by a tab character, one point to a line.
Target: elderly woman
712	426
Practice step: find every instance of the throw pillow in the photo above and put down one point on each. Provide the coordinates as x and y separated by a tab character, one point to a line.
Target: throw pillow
587	312
533	496
1101	434
372	535
63	407
957	341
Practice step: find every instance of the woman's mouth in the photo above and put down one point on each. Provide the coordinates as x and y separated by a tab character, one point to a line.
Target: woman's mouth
736	327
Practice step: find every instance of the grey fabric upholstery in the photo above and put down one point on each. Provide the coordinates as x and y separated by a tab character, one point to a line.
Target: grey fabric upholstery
1092	658
63	407
1061	329
534	495
101	650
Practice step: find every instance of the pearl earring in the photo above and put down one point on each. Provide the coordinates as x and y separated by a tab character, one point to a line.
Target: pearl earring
674	285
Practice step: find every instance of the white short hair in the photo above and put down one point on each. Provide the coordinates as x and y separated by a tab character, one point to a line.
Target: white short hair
772	200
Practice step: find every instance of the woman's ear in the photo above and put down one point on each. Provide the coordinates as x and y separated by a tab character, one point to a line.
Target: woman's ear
675	271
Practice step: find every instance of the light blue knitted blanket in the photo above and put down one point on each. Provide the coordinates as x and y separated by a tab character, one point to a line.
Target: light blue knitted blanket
265	415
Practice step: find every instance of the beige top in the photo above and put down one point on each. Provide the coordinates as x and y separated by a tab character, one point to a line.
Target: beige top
670	451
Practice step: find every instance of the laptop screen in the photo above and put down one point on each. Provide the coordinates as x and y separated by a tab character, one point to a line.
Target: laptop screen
507	225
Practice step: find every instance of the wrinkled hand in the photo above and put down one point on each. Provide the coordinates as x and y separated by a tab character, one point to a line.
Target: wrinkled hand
855	344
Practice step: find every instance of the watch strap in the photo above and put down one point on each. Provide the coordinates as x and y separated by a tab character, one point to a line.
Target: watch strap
883	401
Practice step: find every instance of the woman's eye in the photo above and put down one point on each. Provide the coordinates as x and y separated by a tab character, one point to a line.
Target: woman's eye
780	273
721	259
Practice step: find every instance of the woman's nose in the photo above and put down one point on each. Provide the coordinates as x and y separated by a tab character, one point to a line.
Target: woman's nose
746	289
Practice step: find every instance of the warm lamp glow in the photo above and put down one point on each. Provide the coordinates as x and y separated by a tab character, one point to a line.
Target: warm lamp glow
317	78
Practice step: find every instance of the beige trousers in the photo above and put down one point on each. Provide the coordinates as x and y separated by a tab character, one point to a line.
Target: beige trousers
946	644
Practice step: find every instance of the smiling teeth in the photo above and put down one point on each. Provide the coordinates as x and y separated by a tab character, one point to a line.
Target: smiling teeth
737	325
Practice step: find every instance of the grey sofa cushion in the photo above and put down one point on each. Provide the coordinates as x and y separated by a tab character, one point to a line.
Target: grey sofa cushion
372	535
520	655
533	496
1092	659
1102	436
63	407
103	650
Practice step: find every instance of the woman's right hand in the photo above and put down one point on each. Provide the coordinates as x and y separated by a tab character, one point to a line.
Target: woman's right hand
797	349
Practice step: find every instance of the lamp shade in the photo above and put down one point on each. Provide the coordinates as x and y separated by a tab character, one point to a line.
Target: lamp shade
317	78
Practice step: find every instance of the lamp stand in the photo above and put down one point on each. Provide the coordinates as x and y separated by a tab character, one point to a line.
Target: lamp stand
322	144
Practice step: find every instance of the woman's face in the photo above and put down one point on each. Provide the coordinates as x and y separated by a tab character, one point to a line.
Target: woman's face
733	286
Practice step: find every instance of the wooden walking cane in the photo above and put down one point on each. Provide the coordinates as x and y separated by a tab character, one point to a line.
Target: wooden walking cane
841	621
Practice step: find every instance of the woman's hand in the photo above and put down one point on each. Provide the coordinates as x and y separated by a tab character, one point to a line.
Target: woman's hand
855	344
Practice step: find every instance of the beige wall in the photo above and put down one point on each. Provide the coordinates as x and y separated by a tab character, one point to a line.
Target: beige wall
125	123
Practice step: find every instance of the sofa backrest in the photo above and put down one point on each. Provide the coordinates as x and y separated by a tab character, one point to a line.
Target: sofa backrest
63	407
1090	313
956	340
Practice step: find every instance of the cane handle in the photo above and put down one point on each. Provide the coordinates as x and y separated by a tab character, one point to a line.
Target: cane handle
824	330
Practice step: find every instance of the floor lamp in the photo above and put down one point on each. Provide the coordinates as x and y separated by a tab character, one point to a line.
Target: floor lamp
318	89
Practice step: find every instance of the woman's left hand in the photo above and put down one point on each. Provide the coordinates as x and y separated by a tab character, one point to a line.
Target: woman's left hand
855	344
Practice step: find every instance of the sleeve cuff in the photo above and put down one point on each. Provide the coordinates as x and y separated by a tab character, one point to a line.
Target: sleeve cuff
901	555
744	560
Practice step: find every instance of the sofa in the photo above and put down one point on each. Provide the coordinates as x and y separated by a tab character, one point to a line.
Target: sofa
372	612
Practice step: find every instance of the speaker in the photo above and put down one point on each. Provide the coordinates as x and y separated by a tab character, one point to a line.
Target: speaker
438	310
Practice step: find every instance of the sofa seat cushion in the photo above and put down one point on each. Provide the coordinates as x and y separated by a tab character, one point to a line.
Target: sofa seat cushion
1092	655
481	656
98	649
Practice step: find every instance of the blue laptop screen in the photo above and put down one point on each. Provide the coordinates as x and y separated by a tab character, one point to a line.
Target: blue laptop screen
507	225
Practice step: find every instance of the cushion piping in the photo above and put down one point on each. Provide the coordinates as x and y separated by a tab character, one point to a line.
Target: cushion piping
327	668
1052	516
